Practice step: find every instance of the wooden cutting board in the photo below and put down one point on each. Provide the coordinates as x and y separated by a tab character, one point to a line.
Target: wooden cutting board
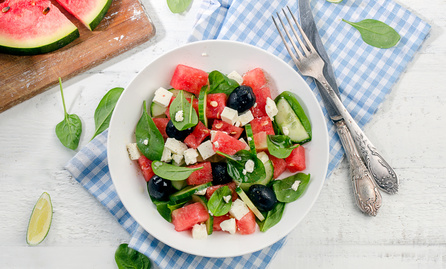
125	26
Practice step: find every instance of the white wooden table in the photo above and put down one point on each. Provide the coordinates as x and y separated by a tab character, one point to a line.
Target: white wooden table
409	128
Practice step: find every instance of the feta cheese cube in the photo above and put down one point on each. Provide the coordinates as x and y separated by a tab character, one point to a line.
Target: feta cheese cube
201	192
229	115
176	146
295	185
199	231
190	156
162	97
235	76
243	140
179	116
213	132
206	149
133	151
245	117
285	130
167	155
263	156
178	159
271	108
228	226
238	209
249	166
227	198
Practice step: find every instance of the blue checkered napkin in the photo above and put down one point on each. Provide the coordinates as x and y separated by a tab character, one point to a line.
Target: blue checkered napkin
365	74
90	168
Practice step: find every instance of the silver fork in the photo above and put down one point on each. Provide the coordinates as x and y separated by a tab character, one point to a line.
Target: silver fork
309	63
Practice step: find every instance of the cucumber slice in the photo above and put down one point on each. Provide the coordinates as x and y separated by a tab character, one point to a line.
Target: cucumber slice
179	184
202	102
187	192
250	137
269	172
204	202
175	92
157	110
292	117
249	203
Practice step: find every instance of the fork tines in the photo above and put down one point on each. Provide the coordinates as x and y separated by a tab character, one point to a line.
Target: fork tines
306	48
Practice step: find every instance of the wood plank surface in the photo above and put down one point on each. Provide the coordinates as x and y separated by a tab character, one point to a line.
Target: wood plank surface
125	26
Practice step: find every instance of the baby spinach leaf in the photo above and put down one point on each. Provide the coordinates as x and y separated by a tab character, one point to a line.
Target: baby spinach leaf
280	146
236	167
217	205
178	6
219	83
284	192
189	115
70	128
149	139
172	172
376	33
165	208
105	108
272	217
128	258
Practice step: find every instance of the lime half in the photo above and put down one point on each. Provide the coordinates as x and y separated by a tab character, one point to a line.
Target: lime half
40	220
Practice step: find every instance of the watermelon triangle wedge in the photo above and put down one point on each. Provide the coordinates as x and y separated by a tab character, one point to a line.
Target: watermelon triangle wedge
89	12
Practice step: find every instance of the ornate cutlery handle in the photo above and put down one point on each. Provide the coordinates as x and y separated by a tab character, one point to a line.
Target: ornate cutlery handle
367	195
384	176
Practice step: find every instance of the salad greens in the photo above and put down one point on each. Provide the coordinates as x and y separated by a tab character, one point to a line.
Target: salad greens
220	83
149	139
178	6
376	33
272	217
236	166
280	146
105	109
165	208
217	204
128	258
172	172
283	188
69	130
188	117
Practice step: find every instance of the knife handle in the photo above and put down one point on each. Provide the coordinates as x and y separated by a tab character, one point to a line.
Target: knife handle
384	176
367	195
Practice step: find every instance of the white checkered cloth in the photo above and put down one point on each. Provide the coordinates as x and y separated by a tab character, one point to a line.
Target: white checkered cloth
364	74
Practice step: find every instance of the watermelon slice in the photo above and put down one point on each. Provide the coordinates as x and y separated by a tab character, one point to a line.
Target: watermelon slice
33	27
89	12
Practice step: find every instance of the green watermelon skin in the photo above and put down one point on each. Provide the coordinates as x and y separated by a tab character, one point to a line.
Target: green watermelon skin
89	12
25	29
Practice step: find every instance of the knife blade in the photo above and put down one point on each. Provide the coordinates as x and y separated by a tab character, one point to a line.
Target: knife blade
383	175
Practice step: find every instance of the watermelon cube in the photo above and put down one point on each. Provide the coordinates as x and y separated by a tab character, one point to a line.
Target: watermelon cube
201	176
186	217
161	124
226	143
146	167
260	141
215	104
234	131
247	224
189	79
257	81
254	78
262	124
279	165
296	160
197	136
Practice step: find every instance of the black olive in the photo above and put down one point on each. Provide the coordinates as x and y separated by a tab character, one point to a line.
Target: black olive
262	197
173	132
220	173
160	188
241	98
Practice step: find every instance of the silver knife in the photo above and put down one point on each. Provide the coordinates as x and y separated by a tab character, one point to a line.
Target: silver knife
383	175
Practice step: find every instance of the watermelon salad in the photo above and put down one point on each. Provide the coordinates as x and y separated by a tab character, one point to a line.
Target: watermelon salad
213	150
29	27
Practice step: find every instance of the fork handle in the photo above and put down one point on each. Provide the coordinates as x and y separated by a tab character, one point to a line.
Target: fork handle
384	176
367	195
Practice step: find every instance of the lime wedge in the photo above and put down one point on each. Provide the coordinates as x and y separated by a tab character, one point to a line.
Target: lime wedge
40	220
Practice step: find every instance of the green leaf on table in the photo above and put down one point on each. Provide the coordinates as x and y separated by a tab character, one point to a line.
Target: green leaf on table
280	146
178	6
69	130
188	116
172	172
237	165
219	83
149	139
128	258
284	188
105	109
376	33
217	204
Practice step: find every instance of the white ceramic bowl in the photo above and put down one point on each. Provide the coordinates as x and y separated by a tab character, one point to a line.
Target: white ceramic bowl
225	56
